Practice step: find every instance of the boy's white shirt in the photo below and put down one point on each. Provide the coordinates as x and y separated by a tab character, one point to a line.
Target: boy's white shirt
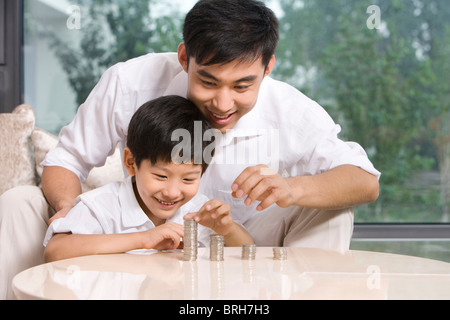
114	209
306	137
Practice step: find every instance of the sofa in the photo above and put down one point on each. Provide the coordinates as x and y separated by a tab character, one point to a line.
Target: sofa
24	146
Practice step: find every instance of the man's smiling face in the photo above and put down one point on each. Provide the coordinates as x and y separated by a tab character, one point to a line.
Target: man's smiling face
224	93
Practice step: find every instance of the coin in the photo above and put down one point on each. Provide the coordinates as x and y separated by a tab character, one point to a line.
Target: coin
216	247
248	252
280	253
190	240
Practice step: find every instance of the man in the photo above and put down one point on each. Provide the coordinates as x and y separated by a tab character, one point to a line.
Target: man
299	195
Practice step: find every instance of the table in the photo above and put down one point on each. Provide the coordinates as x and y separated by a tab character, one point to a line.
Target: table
307	274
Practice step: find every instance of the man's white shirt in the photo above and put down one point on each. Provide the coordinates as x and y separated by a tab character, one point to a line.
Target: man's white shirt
286	130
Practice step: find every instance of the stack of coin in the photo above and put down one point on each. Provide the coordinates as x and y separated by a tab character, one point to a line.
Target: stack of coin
216	247
279	253
190	240
249	252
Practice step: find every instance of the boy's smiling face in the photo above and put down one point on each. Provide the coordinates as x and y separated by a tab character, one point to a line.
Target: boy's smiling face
224	93
162	188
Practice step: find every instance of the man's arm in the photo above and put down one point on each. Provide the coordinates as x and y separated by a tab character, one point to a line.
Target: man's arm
103	118
342	187
61	187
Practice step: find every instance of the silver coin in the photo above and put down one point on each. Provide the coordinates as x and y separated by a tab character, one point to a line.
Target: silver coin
190	240
217	245
280	253
248	252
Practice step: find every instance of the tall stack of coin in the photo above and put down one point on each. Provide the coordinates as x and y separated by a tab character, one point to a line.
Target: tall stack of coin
249	252
190	240
279	253
216	247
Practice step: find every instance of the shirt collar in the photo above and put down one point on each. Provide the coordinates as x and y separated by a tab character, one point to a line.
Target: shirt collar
178	86
132	213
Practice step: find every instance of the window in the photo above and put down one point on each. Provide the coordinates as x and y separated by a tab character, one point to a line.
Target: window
69	44
381	70
379	67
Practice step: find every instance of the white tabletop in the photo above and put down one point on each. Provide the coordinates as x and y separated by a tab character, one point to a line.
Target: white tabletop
307	274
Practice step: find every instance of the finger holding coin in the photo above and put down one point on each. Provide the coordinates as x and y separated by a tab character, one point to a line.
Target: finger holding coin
214	214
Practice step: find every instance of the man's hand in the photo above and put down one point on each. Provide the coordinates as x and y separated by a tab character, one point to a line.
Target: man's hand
261	183
61	187
60	214
341	187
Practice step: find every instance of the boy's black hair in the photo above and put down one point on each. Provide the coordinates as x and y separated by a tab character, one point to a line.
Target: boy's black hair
222	31
151	128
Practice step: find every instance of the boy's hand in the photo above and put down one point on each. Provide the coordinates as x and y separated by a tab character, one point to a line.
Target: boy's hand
164	237
214	215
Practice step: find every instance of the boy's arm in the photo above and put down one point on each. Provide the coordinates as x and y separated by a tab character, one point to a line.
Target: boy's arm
65	246
237	236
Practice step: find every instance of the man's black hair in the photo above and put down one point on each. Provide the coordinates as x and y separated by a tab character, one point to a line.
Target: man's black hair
222	31
151	128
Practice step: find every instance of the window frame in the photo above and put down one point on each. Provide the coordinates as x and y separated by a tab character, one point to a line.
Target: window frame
402	231
11	56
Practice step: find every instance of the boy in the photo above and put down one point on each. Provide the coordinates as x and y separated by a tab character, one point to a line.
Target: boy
146	210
